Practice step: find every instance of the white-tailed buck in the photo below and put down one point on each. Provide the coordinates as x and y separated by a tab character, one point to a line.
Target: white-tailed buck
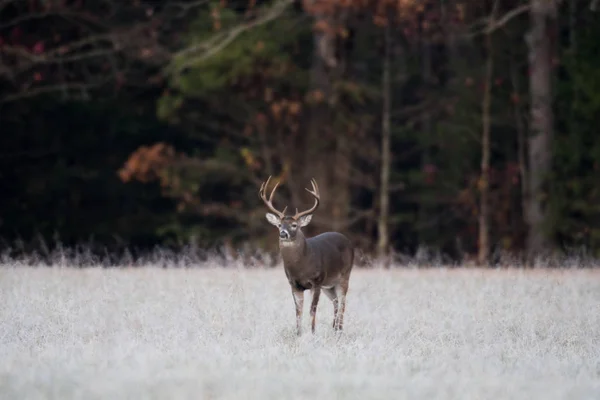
320	262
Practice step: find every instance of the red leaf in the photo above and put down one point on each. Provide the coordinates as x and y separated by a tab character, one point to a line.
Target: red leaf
38	48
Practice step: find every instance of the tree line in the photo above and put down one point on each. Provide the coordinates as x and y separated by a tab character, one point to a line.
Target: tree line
462	126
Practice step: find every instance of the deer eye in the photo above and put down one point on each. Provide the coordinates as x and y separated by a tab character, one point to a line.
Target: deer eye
294	225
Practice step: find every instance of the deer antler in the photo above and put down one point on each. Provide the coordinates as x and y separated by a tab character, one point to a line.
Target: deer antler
315	193
269	203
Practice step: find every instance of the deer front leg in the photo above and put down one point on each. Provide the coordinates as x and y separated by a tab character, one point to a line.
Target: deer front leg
299	302
316	292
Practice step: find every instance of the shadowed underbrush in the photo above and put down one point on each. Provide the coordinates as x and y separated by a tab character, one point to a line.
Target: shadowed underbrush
190	256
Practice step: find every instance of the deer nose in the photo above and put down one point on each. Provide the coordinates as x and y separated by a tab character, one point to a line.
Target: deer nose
284	235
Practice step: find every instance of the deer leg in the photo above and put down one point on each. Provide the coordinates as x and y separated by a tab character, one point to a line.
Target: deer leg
340	291
316	292
332	296
299	302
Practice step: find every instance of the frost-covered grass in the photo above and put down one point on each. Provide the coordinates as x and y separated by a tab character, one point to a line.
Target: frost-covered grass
152	333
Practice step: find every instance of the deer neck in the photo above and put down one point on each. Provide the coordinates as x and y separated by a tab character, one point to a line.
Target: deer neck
293	252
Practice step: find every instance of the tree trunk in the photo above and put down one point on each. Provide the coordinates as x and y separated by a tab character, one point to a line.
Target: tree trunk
319	142
384	193
484	208
572	26
451	42
327	152
521	143
339	184
426	211
539	40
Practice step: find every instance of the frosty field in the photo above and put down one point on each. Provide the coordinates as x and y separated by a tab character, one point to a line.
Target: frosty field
152	333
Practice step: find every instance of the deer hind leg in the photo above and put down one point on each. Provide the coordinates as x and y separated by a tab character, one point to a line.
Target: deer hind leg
299	302
340	291
316	292
333	297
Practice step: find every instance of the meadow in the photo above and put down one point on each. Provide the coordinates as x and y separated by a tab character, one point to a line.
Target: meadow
228	333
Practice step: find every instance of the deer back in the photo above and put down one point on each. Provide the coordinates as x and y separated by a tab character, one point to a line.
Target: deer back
330	250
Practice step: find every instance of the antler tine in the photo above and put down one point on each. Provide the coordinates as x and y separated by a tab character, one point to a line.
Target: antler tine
315	187
315	193
269	203
263	187
273	192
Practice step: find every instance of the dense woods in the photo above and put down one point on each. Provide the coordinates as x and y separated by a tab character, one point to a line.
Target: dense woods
462	128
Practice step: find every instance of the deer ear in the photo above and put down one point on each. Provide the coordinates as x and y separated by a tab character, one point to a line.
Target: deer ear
273	219
305	220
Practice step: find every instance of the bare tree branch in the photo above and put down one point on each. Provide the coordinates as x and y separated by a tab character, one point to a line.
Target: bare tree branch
33	72
146	40
186	7
70	86
203	51
493	25
500	22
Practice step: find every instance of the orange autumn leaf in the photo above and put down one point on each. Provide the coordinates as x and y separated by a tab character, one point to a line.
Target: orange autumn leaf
276	110
147	163
294	107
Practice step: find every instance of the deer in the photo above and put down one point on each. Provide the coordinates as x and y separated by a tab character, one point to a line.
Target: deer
322	262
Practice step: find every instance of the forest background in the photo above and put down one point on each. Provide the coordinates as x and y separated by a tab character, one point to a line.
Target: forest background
462	129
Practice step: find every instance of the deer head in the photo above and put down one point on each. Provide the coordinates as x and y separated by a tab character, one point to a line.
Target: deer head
288	225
